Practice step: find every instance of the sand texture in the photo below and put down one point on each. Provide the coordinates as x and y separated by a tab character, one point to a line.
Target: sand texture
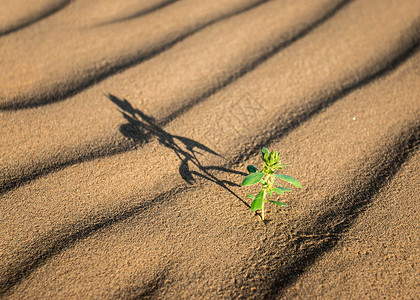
127	126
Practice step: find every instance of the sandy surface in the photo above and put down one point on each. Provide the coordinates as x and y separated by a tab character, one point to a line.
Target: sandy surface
127	127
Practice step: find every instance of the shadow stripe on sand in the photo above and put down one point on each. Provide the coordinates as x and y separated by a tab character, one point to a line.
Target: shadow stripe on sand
125	146
29	21
140	13
387	167
384	169
345	208
56	93
63	240
283	129
405	145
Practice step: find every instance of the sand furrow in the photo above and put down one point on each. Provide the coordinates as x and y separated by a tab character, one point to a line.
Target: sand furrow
65	64
167	220
73	192
151	7
17	14
180	84
323	227
380	245
85	14
362	141
169	145
250	255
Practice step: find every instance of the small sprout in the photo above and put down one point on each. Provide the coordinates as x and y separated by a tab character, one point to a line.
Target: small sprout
266	178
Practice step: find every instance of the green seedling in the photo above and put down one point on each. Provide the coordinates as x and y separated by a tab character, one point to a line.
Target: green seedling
267	177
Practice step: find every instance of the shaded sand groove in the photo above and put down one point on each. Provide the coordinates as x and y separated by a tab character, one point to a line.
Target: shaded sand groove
146	10
207	107
100	229
324	226
392	142
97	52
48	151
376	245
231	61
17	14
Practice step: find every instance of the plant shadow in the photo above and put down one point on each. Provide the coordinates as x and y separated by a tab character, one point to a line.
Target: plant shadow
141	128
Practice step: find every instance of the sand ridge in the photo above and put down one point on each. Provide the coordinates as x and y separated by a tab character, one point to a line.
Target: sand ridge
104	50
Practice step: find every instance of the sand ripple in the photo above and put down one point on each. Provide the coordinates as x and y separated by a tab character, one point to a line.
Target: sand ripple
126	138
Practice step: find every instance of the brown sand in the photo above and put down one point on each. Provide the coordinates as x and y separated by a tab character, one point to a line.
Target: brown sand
126	130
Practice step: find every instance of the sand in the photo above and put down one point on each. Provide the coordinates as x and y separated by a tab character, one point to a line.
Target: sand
127	128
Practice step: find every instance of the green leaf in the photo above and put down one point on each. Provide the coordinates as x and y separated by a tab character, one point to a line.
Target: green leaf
278	191
252	169
252	178
257	203
264	151
251	196
270	193
278	203
266	157
265	154
280	166
283	189
289	180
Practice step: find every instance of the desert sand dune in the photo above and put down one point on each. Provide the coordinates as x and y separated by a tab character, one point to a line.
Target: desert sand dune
181	84
346	177
84	56
130	188
383	236
44	147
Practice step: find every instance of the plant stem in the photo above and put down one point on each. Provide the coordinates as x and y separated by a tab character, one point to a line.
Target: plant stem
262	210
269	181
